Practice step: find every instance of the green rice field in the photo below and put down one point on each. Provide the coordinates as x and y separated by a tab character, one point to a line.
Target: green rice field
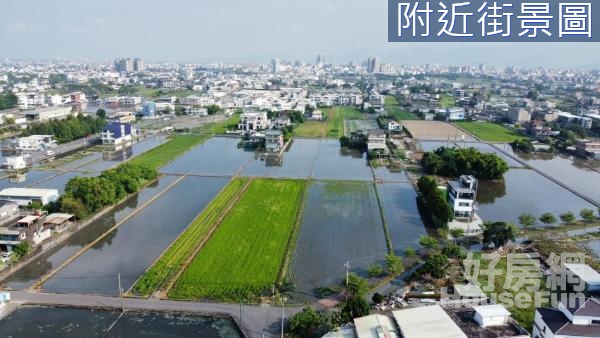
166	267
244	256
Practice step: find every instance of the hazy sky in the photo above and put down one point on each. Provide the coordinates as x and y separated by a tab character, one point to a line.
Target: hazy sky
244	30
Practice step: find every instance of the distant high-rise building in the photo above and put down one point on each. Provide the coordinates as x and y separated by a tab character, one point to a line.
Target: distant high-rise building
373	65
138	65
275	66
320	61
124	65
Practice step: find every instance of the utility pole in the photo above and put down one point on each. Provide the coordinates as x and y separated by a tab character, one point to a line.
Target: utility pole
283	299
121	293
347	265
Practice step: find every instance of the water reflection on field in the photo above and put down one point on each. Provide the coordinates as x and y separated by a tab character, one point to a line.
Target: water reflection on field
53	322
525	191
134	245
51	259
341	222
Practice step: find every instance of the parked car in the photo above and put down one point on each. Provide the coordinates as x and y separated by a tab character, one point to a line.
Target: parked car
49	153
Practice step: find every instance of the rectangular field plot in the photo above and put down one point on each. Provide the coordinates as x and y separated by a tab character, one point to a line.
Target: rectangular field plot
341	222
57	255
244	256
354	125
336	163
525	191
135	244
165	269
218	156
297	162
404	223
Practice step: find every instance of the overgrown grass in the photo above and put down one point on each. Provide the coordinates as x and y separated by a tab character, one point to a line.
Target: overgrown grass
333	124
243	257
180	143
167	266
177	145
523	316
447	101
393	109
490	132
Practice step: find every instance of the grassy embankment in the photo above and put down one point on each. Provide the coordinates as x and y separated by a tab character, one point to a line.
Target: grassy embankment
244	255
166	267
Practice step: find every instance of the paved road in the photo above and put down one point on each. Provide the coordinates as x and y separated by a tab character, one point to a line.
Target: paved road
64	148
257	321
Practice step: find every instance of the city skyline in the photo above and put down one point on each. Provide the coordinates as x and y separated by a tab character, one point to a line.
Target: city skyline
247	32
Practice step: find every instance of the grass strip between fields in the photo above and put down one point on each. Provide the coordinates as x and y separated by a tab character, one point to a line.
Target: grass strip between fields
244	256
180	143
167	266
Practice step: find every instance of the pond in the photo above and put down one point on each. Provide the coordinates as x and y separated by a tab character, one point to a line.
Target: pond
29	321
132	247
26	179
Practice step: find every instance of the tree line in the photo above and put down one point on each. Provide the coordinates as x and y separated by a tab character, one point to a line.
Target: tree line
84	196
453	162
434	200
8	101
69	129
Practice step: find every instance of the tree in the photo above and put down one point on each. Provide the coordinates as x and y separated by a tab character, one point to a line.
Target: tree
179	110
428	242
587	215
454	251
355	307
393	264
434	199
213	109
9	121
498	233
527	220
568	217
453	162
21	249
101	113
71	205
306	323
435	265
357	286
377	298
375	270
547	218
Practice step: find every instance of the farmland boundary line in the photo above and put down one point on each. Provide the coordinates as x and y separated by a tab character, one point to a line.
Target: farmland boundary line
289	251
49	275
171	282
171	245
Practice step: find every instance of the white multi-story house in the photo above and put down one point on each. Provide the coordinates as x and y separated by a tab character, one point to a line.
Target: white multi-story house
462	195
578	318
254	121
394	126
376	141
195	110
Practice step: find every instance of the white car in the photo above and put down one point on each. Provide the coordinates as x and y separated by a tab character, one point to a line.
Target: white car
49	153
6	256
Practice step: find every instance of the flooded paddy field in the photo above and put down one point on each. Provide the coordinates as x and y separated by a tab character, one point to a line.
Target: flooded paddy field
341	222
525	191
581	175
354	125
26	179
298	161
53	258
132	247
42	322
218	156
336	163
390	175
594	246
404	223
